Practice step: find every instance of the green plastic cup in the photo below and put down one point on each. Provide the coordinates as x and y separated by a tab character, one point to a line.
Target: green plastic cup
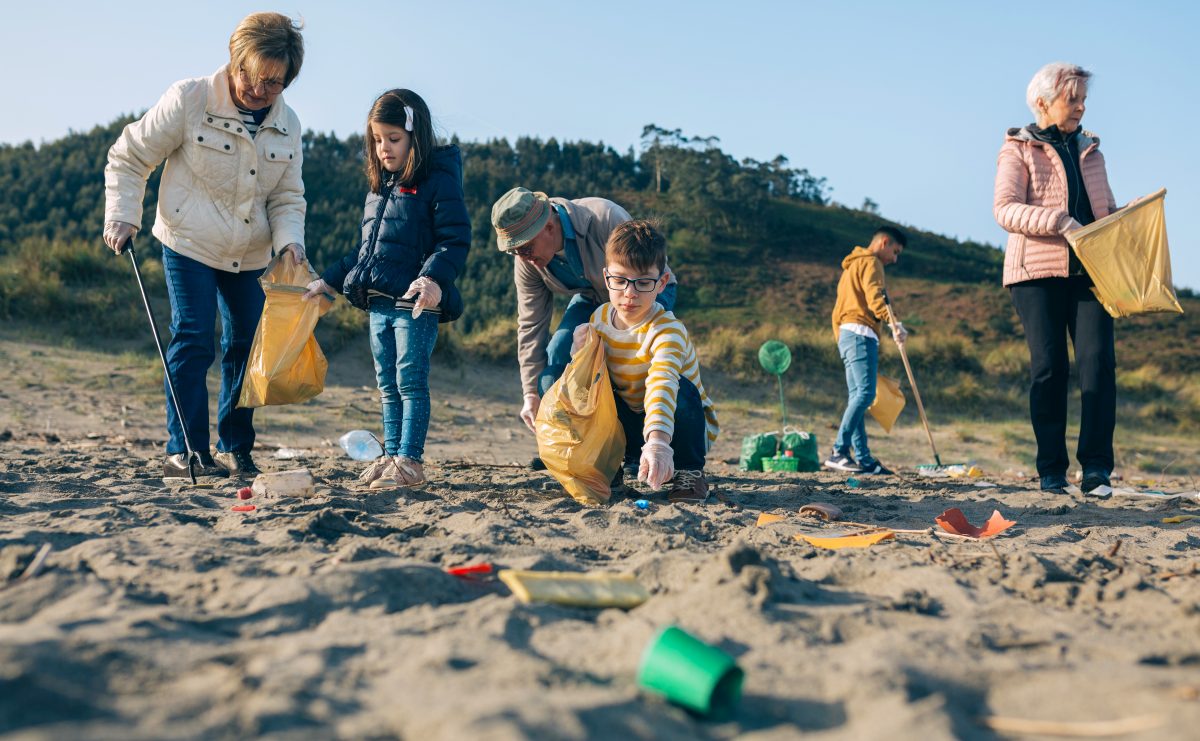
687	671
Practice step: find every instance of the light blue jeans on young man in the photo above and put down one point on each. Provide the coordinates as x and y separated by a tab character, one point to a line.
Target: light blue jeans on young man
860	355
401	347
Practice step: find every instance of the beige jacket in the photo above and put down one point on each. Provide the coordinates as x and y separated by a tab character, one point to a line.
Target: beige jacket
1031	202
225	199
593	220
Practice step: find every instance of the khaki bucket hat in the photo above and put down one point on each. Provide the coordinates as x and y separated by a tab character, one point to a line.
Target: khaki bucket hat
518	217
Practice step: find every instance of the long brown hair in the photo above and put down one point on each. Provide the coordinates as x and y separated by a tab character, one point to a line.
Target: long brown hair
389	109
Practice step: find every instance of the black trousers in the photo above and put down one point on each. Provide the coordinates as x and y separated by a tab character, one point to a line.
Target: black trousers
1050	310
691	433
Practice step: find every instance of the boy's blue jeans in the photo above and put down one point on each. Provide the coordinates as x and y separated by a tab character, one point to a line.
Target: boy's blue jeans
558	350
860	355
197	292
690	439
401	347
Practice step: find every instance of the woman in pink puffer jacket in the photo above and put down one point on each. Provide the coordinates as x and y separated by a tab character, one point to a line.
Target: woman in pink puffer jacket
1050	179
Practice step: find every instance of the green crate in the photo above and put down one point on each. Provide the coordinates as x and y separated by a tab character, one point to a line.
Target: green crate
781	463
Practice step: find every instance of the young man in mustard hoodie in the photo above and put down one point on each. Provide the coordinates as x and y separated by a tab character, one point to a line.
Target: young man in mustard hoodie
858	318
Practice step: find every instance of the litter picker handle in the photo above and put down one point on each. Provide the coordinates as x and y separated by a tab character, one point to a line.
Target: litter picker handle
912	381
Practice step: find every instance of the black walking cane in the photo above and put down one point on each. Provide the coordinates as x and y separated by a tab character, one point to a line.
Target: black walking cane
192	457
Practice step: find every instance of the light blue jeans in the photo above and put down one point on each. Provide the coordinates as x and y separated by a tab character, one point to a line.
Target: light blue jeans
401	347
860	355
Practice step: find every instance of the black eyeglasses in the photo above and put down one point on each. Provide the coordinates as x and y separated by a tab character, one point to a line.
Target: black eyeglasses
274	87
619	283
523	251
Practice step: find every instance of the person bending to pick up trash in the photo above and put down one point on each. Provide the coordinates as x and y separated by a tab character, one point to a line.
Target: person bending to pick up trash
414	241
1051	179
858	317
668	419
231	195
558	246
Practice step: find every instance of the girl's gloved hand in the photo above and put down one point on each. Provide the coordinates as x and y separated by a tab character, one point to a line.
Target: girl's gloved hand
117	233
657	465
316	288
428	293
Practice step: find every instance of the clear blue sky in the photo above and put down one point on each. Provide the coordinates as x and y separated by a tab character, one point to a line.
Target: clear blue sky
905	103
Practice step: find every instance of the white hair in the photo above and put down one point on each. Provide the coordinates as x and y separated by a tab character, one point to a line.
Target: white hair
1052	80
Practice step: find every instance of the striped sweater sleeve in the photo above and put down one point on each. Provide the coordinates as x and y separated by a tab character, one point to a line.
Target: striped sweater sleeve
668	346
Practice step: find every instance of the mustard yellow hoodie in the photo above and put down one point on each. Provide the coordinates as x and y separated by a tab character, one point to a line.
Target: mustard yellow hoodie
860	292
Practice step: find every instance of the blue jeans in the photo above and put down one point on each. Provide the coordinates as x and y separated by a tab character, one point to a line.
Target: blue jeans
558	350
401	347
690	439
860	355
197	292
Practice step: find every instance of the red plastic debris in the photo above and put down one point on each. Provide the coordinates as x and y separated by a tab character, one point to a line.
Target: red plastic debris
244	508
954	521
245	493
479	568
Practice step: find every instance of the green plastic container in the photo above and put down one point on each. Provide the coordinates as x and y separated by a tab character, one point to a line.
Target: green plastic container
688	672
804	449
781	463
754	449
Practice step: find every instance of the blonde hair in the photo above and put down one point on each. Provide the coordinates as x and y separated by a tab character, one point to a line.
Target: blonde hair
264	37
1053	80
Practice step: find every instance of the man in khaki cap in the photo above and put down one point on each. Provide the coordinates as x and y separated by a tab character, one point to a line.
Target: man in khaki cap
558	246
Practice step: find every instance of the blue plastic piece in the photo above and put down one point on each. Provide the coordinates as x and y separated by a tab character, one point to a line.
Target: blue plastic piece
642	504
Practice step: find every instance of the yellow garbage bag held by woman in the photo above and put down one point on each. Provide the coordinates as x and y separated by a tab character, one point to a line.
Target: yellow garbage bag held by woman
286	364
579	437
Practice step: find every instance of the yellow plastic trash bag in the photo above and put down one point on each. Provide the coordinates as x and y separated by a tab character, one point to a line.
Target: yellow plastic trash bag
286	365
579	436
1127	257
889	401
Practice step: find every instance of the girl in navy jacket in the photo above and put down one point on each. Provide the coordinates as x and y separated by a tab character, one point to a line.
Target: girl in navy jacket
414	242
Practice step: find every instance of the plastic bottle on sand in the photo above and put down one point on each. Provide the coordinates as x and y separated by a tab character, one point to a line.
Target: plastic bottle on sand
361	445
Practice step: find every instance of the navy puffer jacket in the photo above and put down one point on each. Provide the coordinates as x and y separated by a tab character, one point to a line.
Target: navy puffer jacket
408	232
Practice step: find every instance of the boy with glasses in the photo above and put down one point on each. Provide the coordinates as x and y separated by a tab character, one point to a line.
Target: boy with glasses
668	419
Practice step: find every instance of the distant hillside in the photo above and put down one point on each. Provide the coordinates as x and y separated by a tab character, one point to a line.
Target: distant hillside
756	244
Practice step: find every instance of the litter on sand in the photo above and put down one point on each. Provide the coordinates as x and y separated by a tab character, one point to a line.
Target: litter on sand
847	541
955	522
243	508
954	471
472	570
1180	518
766	519
820	509
575	589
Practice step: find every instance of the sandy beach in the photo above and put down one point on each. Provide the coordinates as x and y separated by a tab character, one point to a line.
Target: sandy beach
160	613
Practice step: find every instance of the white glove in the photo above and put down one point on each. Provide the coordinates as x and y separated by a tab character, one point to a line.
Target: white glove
316	288
579	336
117	233
529	410
1070	226
297	253
428	293
899	333
657	465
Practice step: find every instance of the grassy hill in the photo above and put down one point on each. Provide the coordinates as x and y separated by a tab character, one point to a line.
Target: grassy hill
756	245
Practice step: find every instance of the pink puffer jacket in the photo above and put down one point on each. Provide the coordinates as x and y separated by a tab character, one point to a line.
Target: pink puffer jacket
1031	202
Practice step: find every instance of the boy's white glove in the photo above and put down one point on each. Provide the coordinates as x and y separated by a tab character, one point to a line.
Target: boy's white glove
657	465
899	333
529	410
428	293
316	288
579	336
117	233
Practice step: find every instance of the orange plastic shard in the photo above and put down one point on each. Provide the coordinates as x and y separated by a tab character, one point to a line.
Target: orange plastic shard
848	541
766	519
954	521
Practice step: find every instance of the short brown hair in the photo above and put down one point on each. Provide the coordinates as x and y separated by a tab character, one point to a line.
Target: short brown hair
389	109
267	36
639	245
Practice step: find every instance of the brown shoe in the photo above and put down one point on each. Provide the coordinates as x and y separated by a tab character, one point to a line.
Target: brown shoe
238	463
400	472
688	486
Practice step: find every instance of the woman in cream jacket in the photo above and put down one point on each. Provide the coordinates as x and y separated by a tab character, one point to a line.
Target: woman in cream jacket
231	195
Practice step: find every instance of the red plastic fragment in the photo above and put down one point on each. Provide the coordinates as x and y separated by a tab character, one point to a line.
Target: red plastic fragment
245	492
954	521
479	568
244	508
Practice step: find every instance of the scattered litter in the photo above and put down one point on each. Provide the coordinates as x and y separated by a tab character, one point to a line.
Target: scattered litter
986	485
853	483
767	518
39	560
955	471
1180	518
575	589
955	522
847	541
824	511
642	504
287	454
478	568
1095	728
243	508
361	445
294	483
689	672
245	492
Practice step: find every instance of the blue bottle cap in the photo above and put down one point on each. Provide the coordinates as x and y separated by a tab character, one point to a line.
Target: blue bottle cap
642	504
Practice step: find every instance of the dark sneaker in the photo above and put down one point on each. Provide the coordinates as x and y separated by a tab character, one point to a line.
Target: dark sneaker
238	462
688	486
1054	482
875	468
842	462
176	467
1094	477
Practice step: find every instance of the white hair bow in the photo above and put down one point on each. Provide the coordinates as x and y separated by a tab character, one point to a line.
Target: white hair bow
408	118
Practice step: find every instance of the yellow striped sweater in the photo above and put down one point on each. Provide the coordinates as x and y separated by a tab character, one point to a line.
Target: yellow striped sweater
645	363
